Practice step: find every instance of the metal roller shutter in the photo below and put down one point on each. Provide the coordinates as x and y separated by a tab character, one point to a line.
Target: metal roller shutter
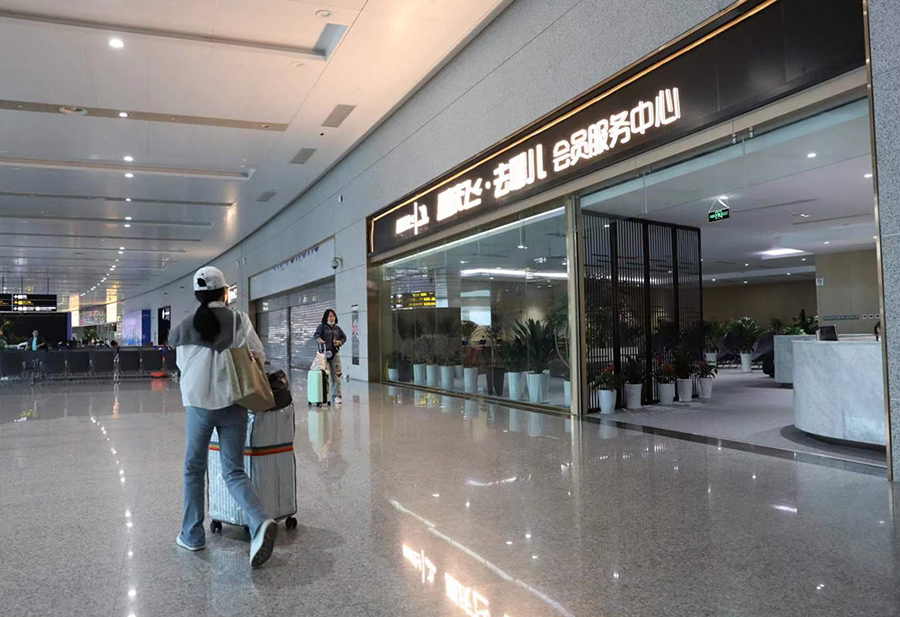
307	309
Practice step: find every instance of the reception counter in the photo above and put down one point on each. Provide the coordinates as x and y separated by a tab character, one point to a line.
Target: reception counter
839	389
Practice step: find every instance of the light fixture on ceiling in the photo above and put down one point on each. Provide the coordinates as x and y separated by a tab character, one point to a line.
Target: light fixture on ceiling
116	43
129	175
804	259
123	114
714	280
788	273
811	155
828	243
746	265
73	110
127	218
781	252
128	199
127	225
323	13
745	282
723	197
127	158
804	215
867	176
263	126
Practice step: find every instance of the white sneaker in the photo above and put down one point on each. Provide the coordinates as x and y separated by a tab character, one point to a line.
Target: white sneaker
184	545
263	542
337	400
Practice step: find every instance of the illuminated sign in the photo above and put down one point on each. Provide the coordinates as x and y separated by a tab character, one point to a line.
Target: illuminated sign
421	563
415	299
680	89
28	303
719	214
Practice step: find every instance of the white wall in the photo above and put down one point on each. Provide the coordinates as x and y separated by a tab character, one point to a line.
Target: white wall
533	58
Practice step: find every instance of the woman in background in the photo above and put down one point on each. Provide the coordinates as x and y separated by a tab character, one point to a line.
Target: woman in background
332	337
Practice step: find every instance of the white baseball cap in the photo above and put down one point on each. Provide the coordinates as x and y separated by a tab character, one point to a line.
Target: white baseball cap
209	278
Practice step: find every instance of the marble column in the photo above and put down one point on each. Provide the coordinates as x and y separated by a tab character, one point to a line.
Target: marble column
884	40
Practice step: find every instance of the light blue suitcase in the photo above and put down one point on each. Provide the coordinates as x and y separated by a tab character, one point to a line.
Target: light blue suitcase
317	388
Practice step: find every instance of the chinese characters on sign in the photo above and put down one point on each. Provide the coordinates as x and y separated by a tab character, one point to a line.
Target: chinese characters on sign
528	166
418	218
421	563
606	134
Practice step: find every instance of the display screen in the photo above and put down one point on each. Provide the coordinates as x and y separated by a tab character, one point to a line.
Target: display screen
28	303
415	299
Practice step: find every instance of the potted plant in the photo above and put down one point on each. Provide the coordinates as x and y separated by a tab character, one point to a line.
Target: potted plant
537	336
515	358
470	367
713	331
449	330
684	364
495	371
745	332
604	382
809	325
665	380
706	372
633	372
392	362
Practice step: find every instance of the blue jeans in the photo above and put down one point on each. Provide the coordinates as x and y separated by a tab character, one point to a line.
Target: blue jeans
231	423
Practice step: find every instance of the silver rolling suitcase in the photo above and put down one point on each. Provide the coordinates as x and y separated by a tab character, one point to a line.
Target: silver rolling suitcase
270	464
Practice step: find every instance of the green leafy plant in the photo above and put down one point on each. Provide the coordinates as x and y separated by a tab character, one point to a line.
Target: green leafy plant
684	362
559	319
467	329
713	331
606	378
514	356
391	361
809	325
664	372
705	369
537	337
776	325
448	329
793	331
633	371
745	332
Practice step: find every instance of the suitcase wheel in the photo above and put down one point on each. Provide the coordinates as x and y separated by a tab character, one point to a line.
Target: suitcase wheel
215	527
290	522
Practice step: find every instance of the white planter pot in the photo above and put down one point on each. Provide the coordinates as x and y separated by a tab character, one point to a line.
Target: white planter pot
431	375
394	374
666	393
633	393
517	385
545	386
712	357
419	376
746	367
470	380
685	390
535	387
458	371
706	384
447	377
607	401
567	391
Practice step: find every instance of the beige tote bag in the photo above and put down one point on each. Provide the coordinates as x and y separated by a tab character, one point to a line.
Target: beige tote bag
249	385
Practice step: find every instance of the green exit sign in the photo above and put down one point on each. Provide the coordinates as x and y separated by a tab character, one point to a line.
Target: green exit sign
719	214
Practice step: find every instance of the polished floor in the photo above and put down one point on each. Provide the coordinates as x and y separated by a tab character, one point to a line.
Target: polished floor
750	408
414	504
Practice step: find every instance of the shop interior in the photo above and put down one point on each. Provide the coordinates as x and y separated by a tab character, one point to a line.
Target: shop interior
795	255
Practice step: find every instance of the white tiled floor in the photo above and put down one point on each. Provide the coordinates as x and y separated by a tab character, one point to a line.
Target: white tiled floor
515	513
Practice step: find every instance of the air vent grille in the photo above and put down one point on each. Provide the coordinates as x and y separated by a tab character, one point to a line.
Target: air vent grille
338	115
265	196
303	156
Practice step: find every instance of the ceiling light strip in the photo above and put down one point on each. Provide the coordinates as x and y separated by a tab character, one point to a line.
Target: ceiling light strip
135	200
240	176
85	24
87	248
110	221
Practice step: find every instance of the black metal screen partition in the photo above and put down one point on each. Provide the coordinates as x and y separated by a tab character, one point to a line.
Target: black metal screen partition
643	293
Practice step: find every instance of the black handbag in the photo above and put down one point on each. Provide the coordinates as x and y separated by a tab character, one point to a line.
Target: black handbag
281	389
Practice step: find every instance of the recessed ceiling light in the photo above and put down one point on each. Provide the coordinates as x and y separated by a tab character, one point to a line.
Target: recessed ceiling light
127	158
121	253
116	43
811	155
714	280
746	265
127	225
121	248
780	252
128	199
129	175
804	259
323	13
828	243
867	176
522	246
117	260
723	196
745	282
123	114
788	273
263	126
72	110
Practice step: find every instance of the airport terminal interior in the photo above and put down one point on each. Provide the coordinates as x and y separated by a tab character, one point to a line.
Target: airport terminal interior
556	314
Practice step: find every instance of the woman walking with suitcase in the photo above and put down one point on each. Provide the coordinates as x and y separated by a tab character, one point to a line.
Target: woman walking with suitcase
332	337
202	343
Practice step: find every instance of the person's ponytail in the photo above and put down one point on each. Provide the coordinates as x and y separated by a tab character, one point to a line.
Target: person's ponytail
205	320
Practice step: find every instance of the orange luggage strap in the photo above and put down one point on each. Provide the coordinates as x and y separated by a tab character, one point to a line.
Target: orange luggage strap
262	451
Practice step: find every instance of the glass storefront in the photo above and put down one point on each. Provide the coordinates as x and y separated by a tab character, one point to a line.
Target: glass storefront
486	313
